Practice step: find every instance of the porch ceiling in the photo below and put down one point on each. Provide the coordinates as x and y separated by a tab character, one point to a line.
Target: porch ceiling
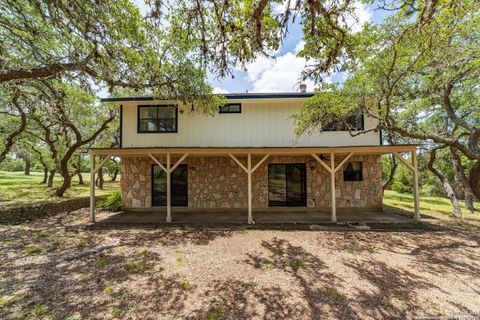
192	151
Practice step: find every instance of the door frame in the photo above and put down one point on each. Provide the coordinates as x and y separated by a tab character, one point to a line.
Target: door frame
304	185
152	184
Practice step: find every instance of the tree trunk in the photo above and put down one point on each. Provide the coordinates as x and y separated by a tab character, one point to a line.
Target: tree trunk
457	211
50	178
463	180
474	178
28	165
100	180
393	168
114	176
80	178
67	178
45	175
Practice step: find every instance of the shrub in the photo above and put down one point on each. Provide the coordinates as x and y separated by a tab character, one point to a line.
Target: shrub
112	202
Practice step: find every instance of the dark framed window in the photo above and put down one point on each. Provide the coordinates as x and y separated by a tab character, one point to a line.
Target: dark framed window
157	118
352	171
355	122
231	108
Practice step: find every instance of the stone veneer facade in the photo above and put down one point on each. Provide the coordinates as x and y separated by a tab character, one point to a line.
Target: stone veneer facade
218	182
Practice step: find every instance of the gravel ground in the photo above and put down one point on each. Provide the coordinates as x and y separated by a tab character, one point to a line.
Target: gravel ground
60	269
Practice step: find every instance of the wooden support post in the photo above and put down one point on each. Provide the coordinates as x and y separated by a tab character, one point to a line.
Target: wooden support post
332	186
415	186
169	191
249	166
92	188
249	170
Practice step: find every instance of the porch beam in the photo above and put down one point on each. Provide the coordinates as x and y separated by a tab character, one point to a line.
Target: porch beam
169	192
178	162
260	162
92	188
333	188
344	160
405	162
322	162
416	195
100	165
158	163
255	151
238	162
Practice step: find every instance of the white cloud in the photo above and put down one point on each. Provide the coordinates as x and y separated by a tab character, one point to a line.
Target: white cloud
282	74
363	15
299	46
219	90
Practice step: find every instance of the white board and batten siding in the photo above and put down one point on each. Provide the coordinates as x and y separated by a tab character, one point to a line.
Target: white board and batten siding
262	123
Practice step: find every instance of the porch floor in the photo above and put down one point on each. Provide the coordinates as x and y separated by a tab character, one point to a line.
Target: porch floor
239	216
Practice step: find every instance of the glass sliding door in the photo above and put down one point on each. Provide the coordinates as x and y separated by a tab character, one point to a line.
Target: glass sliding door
179	186
287	185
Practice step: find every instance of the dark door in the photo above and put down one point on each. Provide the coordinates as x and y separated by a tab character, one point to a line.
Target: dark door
179	186
287	185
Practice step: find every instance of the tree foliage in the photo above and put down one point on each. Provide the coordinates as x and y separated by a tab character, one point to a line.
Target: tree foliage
417	74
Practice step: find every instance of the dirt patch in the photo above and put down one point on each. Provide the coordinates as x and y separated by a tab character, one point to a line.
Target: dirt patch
186	273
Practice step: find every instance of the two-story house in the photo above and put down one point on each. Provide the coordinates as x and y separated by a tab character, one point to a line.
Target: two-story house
246	157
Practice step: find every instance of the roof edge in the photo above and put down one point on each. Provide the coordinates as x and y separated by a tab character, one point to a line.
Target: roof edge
229	96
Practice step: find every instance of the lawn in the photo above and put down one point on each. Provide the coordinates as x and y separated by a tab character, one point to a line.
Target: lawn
436	209
17	188
50	270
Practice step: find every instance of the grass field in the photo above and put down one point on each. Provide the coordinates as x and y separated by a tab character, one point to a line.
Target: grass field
435	207
16	188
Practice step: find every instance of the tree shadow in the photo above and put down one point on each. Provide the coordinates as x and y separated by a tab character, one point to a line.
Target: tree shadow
319	286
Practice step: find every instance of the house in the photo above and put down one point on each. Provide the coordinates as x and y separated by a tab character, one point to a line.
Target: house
246	157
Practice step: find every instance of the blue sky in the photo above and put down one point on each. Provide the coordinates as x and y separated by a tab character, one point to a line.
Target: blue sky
282	74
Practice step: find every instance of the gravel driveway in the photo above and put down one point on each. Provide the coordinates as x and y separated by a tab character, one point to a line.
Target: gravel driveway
59	269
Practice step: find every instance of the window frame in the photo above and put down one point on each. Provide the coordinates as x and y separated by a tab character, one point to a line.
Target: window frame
230	104
352	180
157	106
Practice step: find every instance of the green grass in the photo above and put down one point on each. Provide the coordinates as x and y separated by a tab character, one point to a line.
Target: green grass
18	189
32	250
437	207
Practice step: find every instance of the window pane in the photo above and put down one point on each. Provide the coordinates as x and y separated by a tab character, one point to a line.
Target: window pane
231	108
148	125
166	125
148	112
166	112
353	171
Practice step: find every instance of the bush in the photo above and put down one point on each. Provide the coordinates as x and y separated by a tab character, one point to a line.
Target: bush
112	202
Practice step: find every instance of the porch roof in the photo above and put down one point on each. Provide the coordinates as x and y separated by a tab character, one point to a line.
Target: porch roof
366	149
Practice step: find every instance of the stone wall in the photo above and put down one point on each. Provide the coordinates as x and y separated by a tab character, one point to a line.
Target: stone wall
20	214
218	182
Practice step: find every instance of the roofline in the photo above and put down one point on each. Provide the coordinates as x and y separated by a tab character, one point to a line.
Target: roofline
362	150
229	96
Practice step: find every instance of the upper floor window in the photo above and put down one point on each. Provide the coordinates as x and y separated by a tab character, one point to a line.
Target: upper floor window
355	122
352	171
157	118
231	108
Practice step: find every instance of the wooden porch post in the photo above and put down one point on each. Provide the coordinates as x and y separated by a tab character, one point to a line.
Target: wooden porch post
414	167
415	186
168	171
93	171
169	192
249	173
249	170
92	188
332	186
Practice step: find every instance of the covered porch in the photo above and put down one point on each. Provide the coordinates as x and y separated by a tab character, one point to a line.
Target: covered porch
262	216
330	159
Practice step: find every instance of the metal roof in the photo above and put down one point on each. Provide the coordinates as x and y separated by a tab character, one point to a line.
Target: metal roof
229	96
